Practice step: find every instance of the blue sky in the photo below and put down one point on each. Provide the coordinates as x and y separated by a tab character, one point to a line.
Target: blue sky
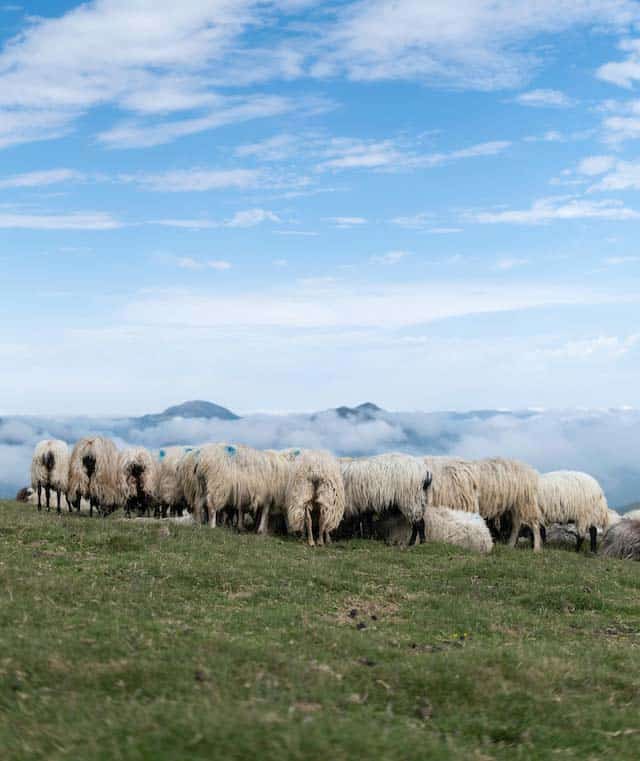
287	205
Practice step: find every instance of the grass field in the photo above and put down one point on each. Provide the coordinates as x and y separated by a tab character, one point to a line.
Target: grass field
157	641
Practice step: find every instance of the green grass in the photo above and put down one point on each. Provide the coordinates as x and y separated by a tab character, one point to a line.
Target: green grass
157	641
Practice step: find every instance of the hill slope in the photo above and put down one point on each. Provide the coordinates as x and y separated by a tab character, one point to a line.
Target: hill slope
124	640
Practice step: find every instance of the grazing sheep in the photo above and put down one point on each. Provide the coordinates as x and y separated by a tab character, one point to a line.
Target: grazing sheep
454	484
167	487
613	517
50	471
139	472
94	474
567	496
315	496
633	514
623	540
25	495
508	487
241	479
377	485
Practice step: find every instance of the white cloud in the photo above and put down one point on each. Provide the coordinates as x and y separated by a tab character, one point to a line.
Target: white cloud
624	175
346	222
553	209
187	224
42	178
614	261
415	221
251	218
551	136
189	263
195	180
544	99
612	346
468	43
623	73
73	221
280	263
595	165
392	257
509	264
444	230
219	264
391	155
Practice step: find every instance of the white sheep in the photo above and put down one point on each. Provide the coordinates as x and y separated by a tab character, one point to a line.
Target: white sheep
95	475
50	471
442	524
139	472
242	479
509	488
454	484
570	497
167	487
315	496
633	514
377	485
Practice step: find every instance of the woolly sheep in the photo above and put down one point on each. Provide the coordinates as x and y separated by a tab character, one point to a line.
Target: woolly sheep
508	487
567	496
623	540
138	470
94	474
30	496
633	514
240	478
442	524
50	471
315	496
167	487
376	485
454	484
613	517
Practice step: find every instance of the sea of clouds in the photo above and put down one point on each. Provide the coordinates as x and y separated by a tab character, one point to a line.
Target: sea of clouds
603	443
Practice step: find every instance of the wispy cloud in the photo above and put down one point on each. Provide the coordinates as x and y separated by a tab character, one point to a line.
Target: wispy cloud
41	178
73	221
554	209
391	257
544	99
508	264
346	222
194	180
251	218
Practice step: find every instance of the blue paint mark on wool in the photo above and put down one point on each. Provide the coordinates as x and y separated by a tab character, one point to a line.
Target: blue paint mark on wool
230	450
162	454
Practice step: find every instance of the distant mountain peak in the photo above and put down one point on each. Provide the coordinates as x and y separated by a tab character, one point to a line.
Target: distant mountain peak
196	408
366	411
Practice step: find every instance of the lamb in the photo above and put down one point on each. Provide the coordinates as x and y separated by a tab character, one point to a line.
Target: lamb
241	479
94	474
377	485
139	472
622	540
508	487
454	484
442	524
50	471
567	497
315	496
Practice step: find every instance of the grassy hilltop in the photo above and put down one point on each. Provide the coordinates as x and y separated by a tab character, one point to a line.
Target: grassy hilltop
131	640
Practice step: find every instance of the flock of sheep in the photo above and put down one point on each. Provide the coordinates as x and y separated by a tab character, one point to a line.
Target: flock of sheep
399	497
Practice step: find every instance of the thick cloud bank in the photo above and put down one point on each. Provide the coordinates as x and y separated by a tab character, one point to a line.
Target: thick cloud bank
604	443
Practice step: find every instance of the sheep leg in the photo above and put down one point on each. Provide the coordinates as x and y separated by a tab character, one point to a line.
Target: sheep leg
327	537
47	496
58	501
579	541
543	534
593	535
263	528
536	538
309	525
414	535
39	497
321	530
240	520
515	531
213	517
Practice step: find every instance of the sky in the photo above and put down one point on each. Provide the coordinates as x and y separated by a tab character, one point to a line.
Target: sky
285	205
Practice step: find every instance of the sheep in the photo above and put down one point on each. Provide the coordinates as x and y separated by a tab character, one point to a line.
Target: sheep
50	471
622	540
167	486
29	496
240	479
614	517
138	470
633	514
567	496
508	487
454	484
442	524
377	485
94	474
315	495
